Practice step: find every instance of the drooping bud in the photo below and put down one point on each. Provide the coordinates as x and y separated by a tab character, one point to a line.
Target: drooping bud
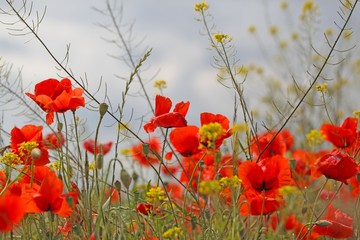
125	178
323	223
103	107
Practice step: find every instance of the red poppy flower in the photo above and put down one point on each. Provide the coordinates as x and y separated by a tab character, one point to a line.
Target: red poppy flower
337	166
138	153
261	182
54	140
48	196
279	146
113	194
267	174
186	140
144	208
341	226
102	148
57	96
24	140
166	119
64	230
12	211
341	136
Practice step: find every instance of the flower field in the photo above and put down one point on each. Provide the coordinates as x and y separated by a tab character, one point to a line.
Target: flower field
290	171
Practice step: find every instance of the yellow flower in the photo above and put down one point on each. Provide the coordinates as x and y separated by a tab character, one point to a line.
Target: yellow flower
125	151
160	84
55	165
92	166
309	6
357	113
294	36
347	34
173	233
283	44
240	127
155	195
322	87
10	159
25	148
329	31
221	38
274	30
252	28
233	181
315	137
198	7
209	133
285	190
208	187
284	5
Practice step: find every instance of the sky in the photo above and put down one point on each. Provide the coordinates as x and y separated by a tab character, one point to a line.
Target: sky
180	53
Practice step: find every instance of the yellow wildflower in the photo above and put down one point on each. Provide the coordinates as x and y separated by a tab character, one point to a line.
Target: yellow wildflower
25	148
222	38
252	28
322	87
284	5
347	34
92	166
10	158
315	137
283	44
155	194
357	113
274	30
309	6
160	84
208	187
240	127
285	190
198	7
233	181
294	36
173	233
125	151
209	133
329	31
55	165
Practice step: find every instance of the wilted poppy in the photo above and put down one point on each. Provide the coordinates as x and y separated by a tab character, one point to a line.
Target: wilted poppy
144	208
24	140
341	224
341	136
102	148
53	95
12	211
166	119
337	166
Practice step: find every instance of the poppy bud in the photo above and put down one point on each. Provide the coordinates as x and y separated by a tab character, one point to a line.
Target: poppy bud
117	185
99	161
59	126
125	178
103	107
36	153
146	148
323	223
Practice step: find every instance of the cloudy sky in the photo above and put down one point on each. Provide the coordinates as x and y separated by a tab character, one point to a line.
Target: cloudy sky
180	53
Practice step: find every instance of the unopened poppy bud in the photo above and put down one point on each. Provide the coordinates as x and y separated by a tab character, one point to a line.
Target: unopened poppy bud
99	161
323	223
117	185
146	148
36	153
103	107
125	178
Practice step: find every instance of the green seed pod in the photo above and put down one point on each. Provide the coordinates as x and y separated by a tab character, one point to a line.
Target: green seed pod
103	107
146	148
99	161
125	178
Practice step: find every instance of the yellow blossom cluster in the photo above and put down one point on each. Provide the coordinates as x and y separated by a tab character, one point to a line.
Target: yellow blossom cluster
173	233
315	137
232	182
160	84
155	195
208	187
209	133
222	38
198	7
